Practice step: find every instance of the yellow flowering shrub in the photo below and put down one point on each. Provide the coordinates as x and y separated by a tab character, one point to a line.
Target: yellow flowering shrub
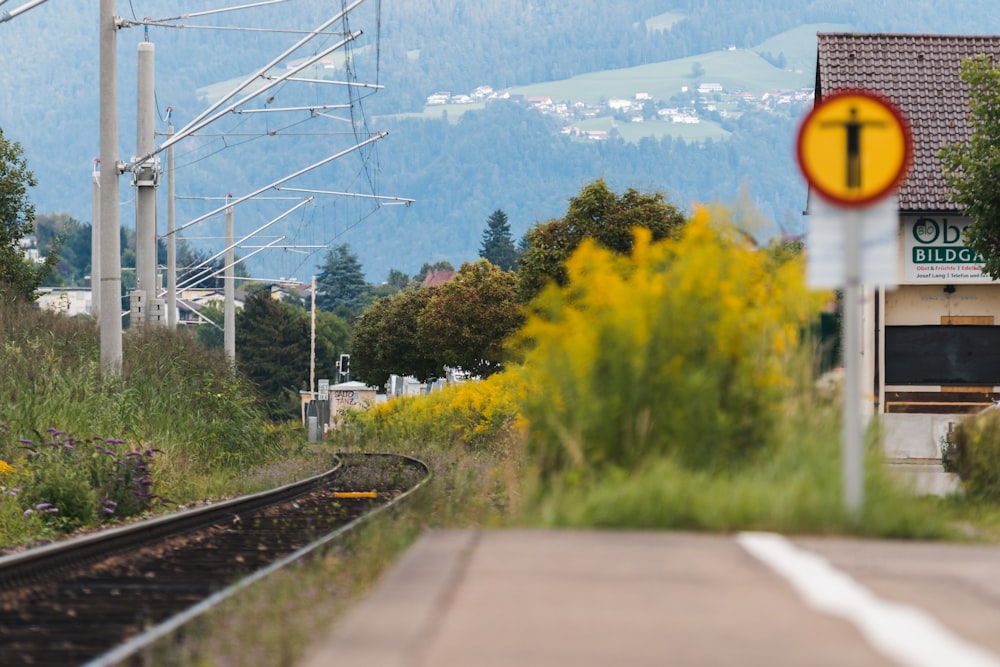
474	413
683	347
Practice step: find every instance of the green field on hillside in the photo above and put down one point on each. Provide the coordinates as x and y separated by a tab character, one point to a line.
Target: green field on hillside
740	68
633	132
437	111
798	45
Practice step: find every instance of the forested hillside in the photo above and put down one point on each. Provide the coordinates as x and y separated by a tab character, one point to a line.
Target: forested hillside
458	169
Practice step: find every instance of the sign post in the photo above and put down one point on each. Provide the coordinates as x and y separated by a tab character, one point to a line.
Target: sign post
854	148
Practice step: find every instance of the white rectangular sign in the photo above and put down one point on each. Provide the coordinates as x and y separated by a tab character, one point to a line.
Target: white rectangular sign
825	243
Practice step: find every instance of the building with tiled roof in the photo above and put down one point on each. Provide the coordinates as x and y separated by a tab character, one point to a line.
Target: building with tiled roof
438	277
919	73
931	342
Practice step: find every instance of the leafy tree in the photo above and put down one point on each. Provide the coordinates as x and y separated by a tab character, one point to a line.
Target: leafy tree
396	281
596	213
273	346
971	169
466	323
19	277
498	245
341	286
385	339
212	335
333	336
73	239
273	350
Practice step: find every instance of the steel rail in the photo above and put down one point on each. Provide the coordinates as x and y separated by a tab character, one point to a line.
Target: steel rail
145	639
29	566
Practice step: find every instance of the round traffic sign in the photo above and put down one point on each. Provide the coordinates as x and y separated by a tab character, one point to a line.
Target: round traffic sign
854	147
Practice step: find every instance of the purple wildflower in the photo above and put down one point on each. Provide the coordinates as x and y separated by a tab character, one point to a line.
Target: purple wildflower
29	512
43	506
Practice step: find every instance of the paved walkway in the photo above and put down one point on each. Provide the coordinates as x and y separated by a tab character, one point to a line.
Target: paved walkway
564	598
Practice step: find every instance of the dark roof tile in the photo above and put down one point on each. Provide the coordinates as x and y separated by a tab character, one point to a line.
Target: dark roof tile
919	73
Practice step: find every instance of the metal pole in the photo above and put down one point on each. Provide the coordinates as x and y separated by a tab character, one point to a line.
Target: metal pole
110	250
171	238
853	455
8	15
229	325
312	344
145	179
95	244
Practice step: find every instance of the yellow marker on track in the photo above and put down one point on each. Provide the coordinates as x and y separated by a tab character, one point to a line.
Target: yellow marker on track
355	494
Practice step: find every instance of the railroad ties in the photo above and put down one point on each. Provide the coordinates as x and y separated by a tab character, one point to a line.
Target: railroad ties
69	603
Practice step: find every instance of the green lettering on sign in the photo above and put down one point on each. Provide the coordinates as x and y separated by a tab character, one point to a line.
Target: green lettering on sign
946	255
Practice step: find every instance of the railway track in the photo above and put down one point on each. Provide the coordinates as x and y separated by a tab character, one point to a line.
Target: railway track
97	599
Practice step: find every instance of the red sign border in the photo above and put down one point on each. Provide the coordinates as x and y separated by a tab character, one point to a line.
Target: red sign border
904	169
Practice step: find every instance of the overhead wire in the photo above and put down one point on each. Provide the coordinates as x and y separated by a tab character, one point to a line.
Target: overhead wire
358	118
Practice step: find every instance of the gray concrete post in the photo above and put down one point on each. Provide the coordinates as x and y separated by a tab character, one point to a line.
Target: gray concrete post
229	326
171	237
145	192
95	244
110	246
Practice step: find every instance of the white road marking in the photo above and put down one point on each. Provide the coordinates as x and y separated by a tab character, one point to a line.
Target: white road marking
904	633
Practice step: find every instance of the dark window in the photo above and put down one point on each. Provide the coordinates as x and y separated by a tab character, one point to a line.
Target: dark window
943	355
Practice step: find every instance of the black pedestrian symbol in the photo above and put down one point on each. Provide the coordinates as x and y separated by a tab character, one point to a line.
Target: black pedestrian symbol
853	128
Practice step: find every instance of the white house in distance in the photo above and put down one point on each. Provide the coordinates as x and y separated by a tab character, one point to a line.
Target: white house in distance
931	344
70	301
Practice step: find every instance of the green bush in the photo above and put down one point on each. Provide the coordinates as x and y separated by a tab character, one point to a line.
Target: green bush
976	454
173	395
682	349
69	483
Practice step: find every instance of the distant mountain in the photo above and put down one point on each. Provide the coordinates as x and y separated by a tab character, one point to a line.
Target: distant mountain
459	162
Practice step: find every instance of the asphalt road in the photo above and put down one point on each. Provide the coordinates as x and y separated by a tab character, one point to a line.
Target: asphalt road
567	598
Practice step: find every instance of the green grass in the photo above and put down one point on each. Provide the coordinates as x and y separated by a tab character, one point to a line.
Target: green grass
793	486
173	396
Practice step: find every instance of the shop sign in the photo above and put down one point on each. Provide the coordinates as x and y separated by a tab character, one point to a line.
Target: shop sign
934	251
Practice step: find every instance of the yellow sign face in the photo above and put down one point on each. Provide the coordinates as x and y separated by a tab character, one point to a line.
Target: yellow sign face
854	147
